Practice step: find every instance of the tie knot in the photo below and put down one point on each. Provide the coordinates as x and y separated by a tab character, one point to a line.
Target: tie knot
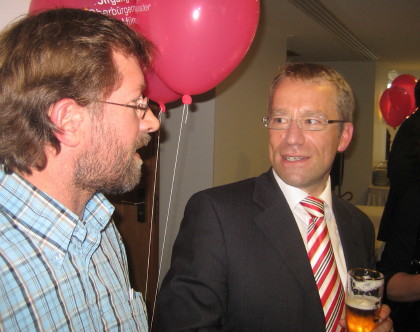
314	206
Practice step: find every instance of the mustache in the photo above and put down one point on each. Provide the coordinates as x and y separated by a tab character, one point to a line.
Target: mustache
143	140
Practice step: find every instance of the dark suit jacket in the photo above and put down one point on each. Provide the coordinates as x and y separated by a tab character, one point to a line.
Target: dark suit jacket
402	246
403	172
239	262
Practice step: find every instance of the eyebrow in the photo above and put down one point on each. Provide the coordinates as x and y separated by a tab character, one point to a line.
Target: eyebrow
312	112
278	112
140	89
140	92
303	112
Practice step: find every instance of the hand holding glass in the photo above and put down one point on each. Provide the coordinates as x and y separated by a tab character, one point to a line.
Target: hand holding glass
363	299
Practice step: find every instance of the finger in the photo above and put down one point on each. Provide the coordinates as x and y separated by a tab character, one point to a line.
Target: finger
384	312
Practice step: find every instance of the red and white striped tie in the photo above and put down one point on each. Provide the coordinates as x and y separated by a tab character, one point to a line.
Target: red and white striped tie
323	264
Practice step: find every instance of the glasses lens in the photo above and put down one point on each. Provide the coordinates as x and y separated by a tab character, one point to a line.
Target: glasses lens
282	122
143	102
312	123
154	108
278	122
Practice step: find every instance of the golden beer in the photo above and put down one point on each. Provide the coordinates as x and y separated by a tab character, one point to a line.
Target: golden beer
361	313
364	291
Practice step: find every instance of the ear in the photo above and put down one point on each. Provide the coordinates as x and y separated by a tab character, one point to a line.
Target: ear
67	116
346	136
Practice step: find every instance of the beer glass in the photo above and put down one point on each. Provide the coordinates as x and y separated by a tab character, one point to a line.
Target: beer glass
363	299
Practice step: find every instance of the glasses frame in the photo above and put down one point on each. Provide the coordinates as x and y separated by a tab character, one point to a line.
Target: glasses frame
325	122
144	106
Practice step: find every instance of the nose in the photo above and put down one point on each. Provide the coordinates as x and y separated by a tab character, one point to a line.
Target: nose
149	123
294	134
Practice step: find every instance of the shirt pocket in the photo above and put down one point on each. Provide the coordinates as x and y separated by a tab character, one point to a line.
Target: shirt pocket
138	309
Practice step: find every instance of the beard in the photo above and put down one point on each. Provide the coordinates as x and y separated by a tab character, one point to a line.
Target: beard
107	166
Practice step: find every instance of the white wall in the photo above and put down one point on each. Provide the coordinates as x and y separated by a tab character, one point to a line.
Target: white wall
194	169
10	10
241	148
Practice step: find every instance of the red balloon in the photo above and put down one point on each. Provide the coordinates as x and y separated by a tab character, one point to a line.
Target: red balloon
157	91
200	41
125	10
407	82
400	100
391	116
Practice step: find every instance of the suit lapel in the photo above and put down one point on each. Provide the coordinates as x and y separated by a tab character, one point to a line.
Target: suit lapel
349	238
279	226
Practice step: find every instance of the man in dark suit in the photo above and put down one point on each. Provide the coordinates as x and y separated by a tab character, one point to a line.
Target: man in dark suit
240	261
400	225
403	168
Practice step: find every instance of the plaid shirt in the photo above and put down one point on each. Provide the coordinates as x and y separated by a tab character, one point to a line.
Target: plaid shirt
60	273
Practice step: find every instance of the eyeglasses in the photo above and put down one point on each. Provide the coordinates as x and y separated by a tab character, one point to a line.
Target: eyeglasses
309	123
142	105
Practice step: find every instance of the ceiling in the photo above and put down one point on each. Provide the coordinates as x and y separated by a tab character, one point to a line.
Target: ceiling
349	30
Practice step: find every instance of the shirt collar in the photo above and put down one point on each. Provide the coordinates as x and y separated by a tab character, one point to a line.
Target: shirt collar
46	220
295	195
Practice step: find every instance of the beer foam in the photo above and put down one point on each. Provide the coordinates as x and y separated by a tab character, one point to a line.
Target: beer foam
363	302
367	285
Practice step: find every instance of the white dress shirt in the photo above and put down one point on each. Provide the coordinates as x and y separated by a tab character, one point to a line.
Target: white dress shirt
294	196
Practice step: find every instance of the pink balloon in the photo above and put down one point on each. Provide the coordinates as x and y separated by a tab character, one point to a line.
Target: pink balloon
400	100
157	91
123	10
407	82
391	116
200	41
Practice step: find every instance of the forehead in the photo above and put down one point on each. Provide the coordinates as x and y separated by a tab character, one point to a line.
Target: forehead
132	78
292	96
127	64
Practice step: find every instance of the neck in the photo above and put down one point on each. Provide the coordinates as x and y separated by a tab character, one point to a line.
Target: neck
56	180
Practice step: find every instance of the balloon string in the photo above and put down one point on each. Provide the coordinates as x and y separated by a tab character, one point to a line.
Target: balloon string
184	115
153	208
